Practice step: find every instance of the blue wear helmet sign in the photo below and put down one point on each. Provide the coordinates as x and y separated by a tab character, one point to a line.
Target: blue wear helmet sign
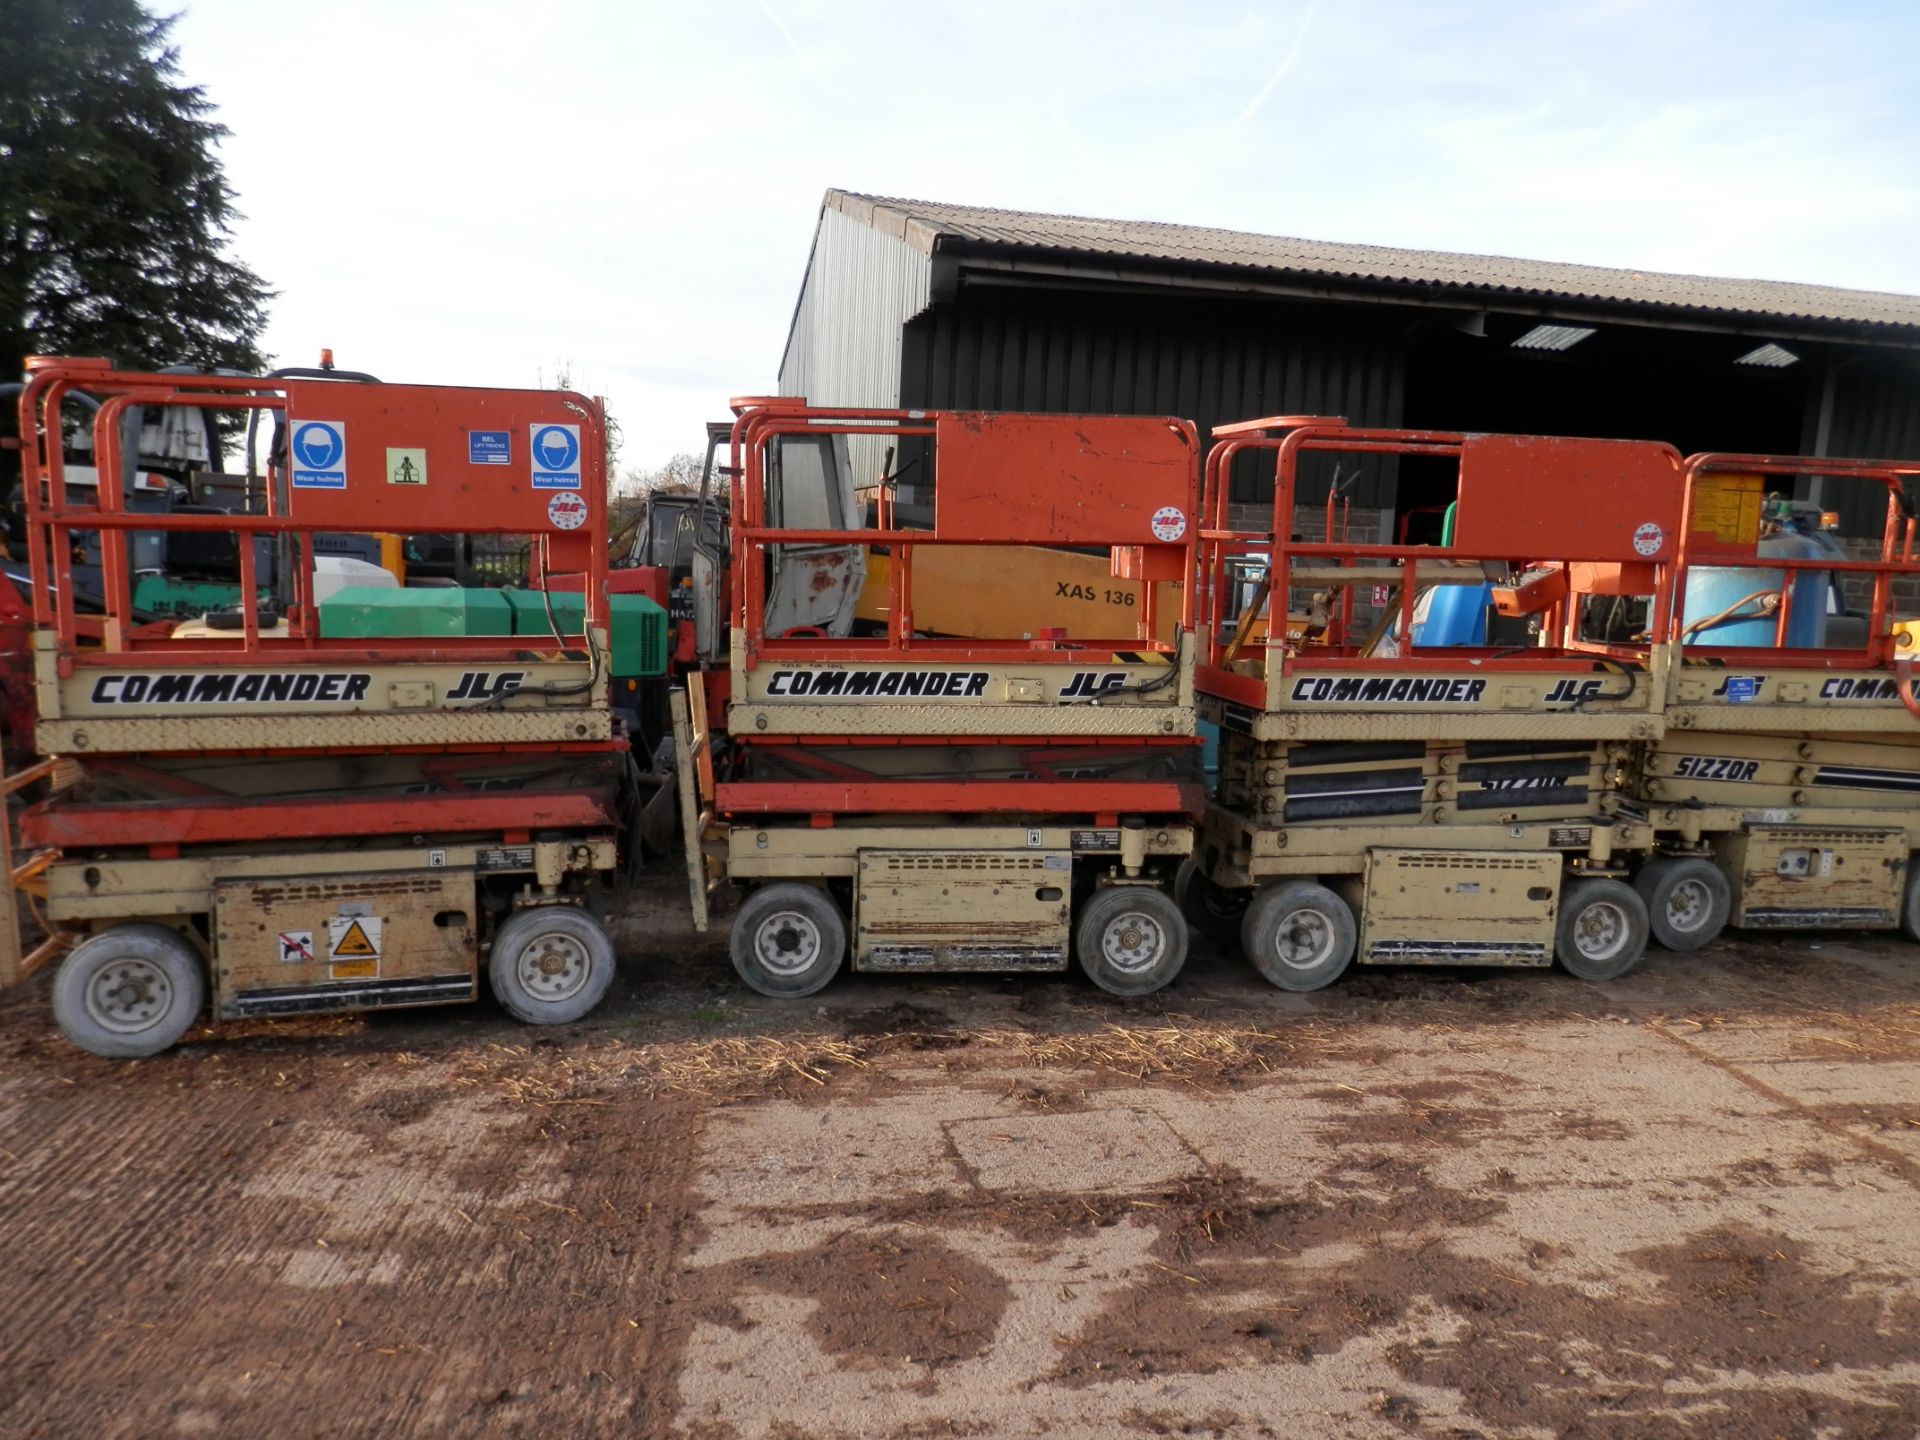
556	456
319	455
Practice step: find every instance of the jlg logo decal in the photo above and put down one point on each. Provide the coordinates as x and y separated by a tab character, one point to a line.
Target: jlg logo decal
1574	692
1091	684
485	685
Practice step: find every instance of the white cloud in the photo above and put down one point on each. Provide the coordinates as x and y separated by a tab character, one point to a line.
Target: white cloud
476	192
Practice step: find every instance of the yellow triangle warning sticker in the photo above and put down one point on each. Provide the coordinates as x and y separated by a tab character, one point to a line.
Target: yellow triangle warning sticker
353	943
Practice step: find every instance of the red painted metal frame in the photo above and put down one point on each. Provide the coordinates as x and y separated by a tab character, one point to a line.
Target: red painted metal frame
16	666
1307	434
1041	758
51	519
1896	559
760	421
229	820
968	797
462	504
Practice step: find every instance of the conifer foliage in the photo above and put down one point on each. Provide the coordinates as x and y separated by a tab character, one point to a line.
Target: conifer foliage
114	212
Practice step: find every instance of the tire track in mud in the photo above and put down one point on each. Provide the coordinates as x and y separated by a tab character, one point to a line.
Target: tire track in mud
333	1248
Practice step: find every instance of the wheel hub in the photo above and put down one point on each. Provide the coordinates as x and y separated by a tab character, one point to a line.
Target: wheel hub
787	943
1304	939
1600	931
129	996
554	967
1687	905
1133	942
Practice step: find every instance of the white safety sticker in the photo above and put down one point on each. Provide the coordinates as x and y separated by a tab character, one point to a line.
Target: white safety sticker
319	455
567	511
406	466
1169	523
1648	539
353	937
556	456
296	947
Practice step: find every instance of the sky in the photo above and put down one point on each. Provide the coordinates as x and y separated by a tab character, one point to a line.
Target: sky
478	192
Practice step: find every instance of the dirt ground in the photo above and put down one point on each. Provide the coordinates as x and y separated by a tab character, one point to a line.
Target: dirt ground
1423	1203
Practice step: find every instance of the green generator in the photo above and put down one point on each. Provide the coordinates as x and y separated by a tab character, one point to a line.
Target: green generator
636	642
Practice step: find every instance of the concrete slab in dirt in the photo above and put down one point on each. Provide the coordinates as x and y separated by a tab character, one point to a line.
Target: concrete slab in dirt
1827	1082
1090	1150
787	1155
1416	1206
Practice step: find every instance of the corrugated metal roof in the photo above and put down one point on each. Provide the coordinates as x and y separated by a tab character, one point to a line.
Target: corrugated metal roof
931	225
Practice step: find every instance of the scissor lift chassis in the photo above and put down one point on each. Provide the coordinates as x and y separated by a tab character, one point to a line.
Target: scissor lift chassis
1790	761
959	895
259	817
1432	800
277	927
1810	830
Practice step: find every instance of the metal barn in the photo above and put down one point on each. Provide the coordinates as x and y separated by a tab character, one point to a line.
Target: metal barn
911	303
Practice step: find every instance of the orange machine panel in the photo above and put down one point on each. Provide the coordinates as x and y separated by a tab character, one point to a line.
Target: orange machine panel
416	459
1065	480
1544	498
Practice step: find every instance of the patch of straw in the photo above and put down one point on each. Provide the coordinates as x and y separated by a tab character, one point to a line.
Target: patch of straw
1190	1050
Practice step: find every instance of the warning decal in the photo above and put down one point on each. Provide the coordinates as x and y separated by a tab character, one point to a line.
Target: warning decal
296	947
406	466
1727	507
556	456
354	937
320	455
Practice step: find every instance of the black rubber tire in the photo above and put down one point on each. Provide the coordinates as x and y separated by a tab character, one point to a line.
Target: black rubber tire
158	989
1213	910
1910	902
1300	936
1687	899
564	936
1130	939
788	940
1603	929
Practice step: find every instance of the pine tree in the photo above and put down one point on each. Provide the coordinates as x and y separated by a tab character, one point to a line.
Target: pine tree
114	212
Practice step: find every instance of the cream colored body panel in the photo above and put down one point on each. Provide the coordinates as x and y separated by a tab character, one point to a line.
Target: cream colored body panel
308	702
1807	877
386	939
1523	726
1244	853
1767	776
1468	693
1455	906
895	697
787	852
1709	697
1506	708
91	894
927	909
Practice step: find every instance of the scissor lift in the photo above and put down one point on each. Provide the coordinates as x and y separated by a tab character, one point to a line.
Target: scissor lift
260	819
1786	789
1451	788
933	802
